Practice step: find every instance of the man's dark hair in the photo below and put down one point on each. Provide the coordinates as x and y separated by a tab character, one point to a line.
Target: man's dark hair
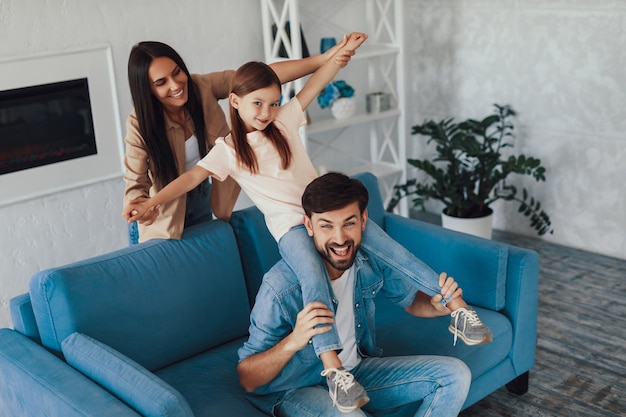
333	191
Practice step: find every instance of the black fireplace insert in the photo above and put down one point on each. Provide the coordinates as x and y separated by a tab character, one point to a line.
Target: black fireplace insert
45	124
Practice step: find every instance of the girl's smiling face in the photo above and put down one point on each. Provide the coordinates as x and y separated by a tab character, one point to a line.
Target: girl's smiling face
257	109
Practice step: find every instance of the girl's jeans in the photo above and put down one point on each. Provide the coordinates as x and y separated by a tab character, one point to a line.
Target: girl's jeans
440	382
298	250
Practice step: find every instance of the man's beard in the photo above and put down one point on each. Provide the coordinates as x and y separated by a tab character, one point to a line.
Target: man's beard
339	264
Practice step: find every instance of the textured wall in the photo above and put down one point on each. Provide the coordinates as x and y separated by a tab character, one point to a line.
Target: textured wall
83	222
560	64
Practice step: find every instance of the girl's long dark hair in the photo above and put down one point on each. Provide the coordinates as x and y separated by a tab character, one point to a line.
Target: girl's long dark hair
250	77
150	113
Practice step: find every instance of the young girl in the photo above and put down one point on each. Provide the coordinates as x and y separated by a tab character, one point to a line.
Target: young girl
265	155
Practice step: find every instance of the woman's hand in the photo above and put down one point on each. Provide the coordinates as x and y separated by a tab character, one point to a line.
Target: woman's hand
141	211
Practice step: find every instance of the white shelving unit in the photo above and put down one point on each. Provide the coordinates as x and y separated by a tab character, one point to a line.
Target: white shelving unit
374	142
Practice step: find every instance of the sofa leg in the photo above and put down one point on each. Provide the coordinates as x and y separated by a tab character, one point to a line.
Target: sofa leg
519	385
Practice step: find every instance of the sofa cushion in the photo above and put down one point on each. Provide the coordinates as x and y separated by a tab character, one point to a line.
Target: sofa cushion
124	378
210	383
399	333
478	265
157	302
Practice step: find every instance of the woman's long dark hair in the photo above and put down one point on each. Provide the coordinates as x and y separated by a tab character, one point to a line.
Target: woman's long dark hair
150	113
250	77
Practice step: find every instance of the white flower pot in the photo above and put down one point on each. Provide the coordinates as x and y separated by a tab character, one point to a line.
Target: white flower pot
479	226
343	107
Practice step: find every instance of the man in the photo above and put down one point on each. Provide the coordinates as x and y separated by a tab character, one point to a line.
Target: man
278	366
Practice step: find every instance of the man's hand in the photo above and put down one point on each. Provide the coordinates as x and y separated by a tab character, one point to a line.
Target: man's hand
261	368
425	306
307	325
449	291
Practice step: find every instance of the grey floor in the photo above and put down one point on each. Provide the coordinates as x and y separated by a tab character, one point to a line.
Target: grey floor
580	367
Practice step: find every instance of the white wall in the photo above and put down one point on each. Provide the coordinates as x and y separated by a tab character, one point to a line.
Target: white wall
560	64
83	222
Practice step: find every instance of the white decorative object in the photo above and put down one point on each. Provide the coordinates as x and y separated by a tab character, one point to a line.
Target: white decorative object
343	107
479	226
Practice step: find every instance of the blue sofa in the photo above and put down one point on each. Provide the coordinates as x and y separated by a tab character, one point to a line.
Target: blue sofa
153	329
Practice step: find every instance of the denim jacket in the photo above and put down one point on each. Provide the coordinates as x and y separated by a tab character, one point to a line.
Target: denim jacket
279	301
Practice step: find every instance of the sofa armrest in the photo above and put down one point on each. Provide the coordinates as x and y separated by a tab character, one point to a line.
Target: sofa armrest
522	298
23	316
515	275
478	265
34	382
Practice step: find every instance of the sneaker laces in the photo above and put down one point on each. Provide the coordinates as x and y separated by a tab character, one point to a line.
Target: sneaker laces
342	378
470	316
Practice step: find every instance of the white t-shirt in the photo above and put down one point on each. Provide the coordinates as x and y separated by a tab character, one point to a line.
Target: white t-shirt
277	192
192	153
343	287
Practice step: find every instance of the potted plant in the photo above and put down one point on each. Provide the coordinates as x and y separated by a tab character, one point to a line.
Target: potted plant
470	169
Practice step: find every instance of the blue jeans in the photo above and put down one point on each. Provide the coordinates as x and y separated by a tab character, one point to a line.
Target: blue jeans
441	383
298	250
198	204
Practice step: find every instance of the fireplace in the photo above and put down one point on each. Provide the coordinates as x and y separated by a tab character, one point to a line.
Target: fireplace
59	123
45	124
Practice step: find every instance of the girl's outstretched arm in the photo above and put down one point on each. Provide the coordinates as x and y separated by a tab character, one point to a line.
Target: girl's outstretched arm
186	182
297	68
327	72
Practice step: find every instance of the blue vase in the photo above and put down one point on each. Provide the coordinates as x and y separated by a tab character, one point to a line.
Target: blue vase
326	44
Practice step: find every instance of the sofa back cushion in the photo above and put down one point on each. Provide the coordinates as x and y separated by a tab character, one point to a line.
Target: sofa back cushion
478	265
375	207
258	249
157	302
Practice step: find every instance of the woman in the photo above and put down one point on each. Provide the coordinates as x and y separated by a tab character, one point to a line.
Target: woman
174	124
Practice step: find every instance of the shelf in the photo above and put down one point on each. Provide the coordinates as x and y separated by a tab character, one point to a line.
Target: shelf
375	50
366	142
328	124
